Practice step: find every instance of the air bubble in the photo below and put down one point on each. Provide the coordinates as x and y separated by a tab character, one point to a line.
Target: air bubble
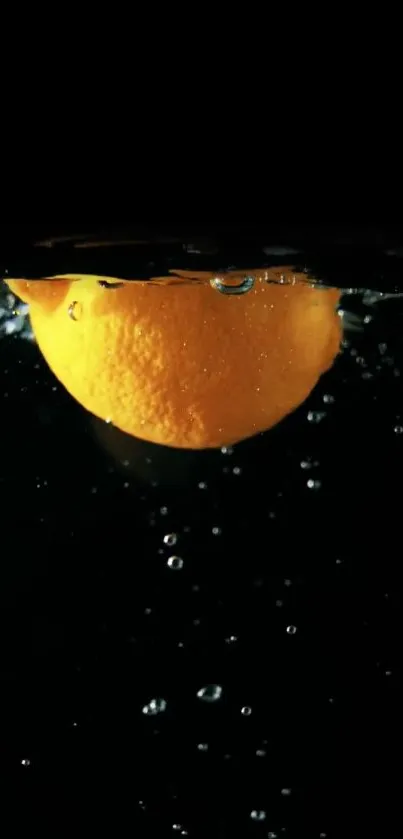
398	429
170	539
202	747
202	485
245	285
175	563
75	310
237	470
227	450
328	398
286	791
316	416
154	707
258	815
246	711
291	630
261	753
311	484
25	762
210	693
216	531
164	511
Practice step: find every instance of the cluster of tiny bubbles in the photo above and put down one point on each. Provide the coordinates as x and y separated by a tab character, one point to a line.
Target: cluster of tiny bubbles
175	563
210	693
291	629
227	450
202	485
258	815
154	707
316	416
311	484
75	310
286	791
261	753
25	762
170	539
328	398
164	511
14	318
246	710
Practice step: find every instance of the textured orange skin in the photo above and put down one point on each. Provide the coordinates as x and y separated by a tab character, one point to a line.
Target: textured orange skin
183	365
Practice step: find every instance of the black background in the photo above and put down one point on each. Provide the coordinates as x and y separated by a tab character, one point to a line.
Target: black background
94	624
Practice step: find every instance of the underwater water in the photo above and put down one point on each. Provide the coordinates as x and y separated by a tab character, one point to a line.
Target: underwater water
204	643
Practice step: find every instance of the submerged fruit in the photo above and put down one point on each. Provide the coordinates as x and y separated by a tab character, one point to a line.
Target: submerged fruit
181	364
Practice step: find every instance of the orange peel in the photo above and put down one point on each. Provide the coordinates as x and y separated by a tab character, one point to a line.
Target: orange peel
181	364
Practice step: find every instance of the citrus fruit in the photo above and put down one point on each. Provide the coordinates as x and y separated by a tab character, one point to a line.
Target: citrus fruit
181	364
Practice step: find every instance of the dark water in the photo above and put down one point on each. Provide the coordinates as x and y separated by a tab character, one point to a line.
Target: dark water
247	687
